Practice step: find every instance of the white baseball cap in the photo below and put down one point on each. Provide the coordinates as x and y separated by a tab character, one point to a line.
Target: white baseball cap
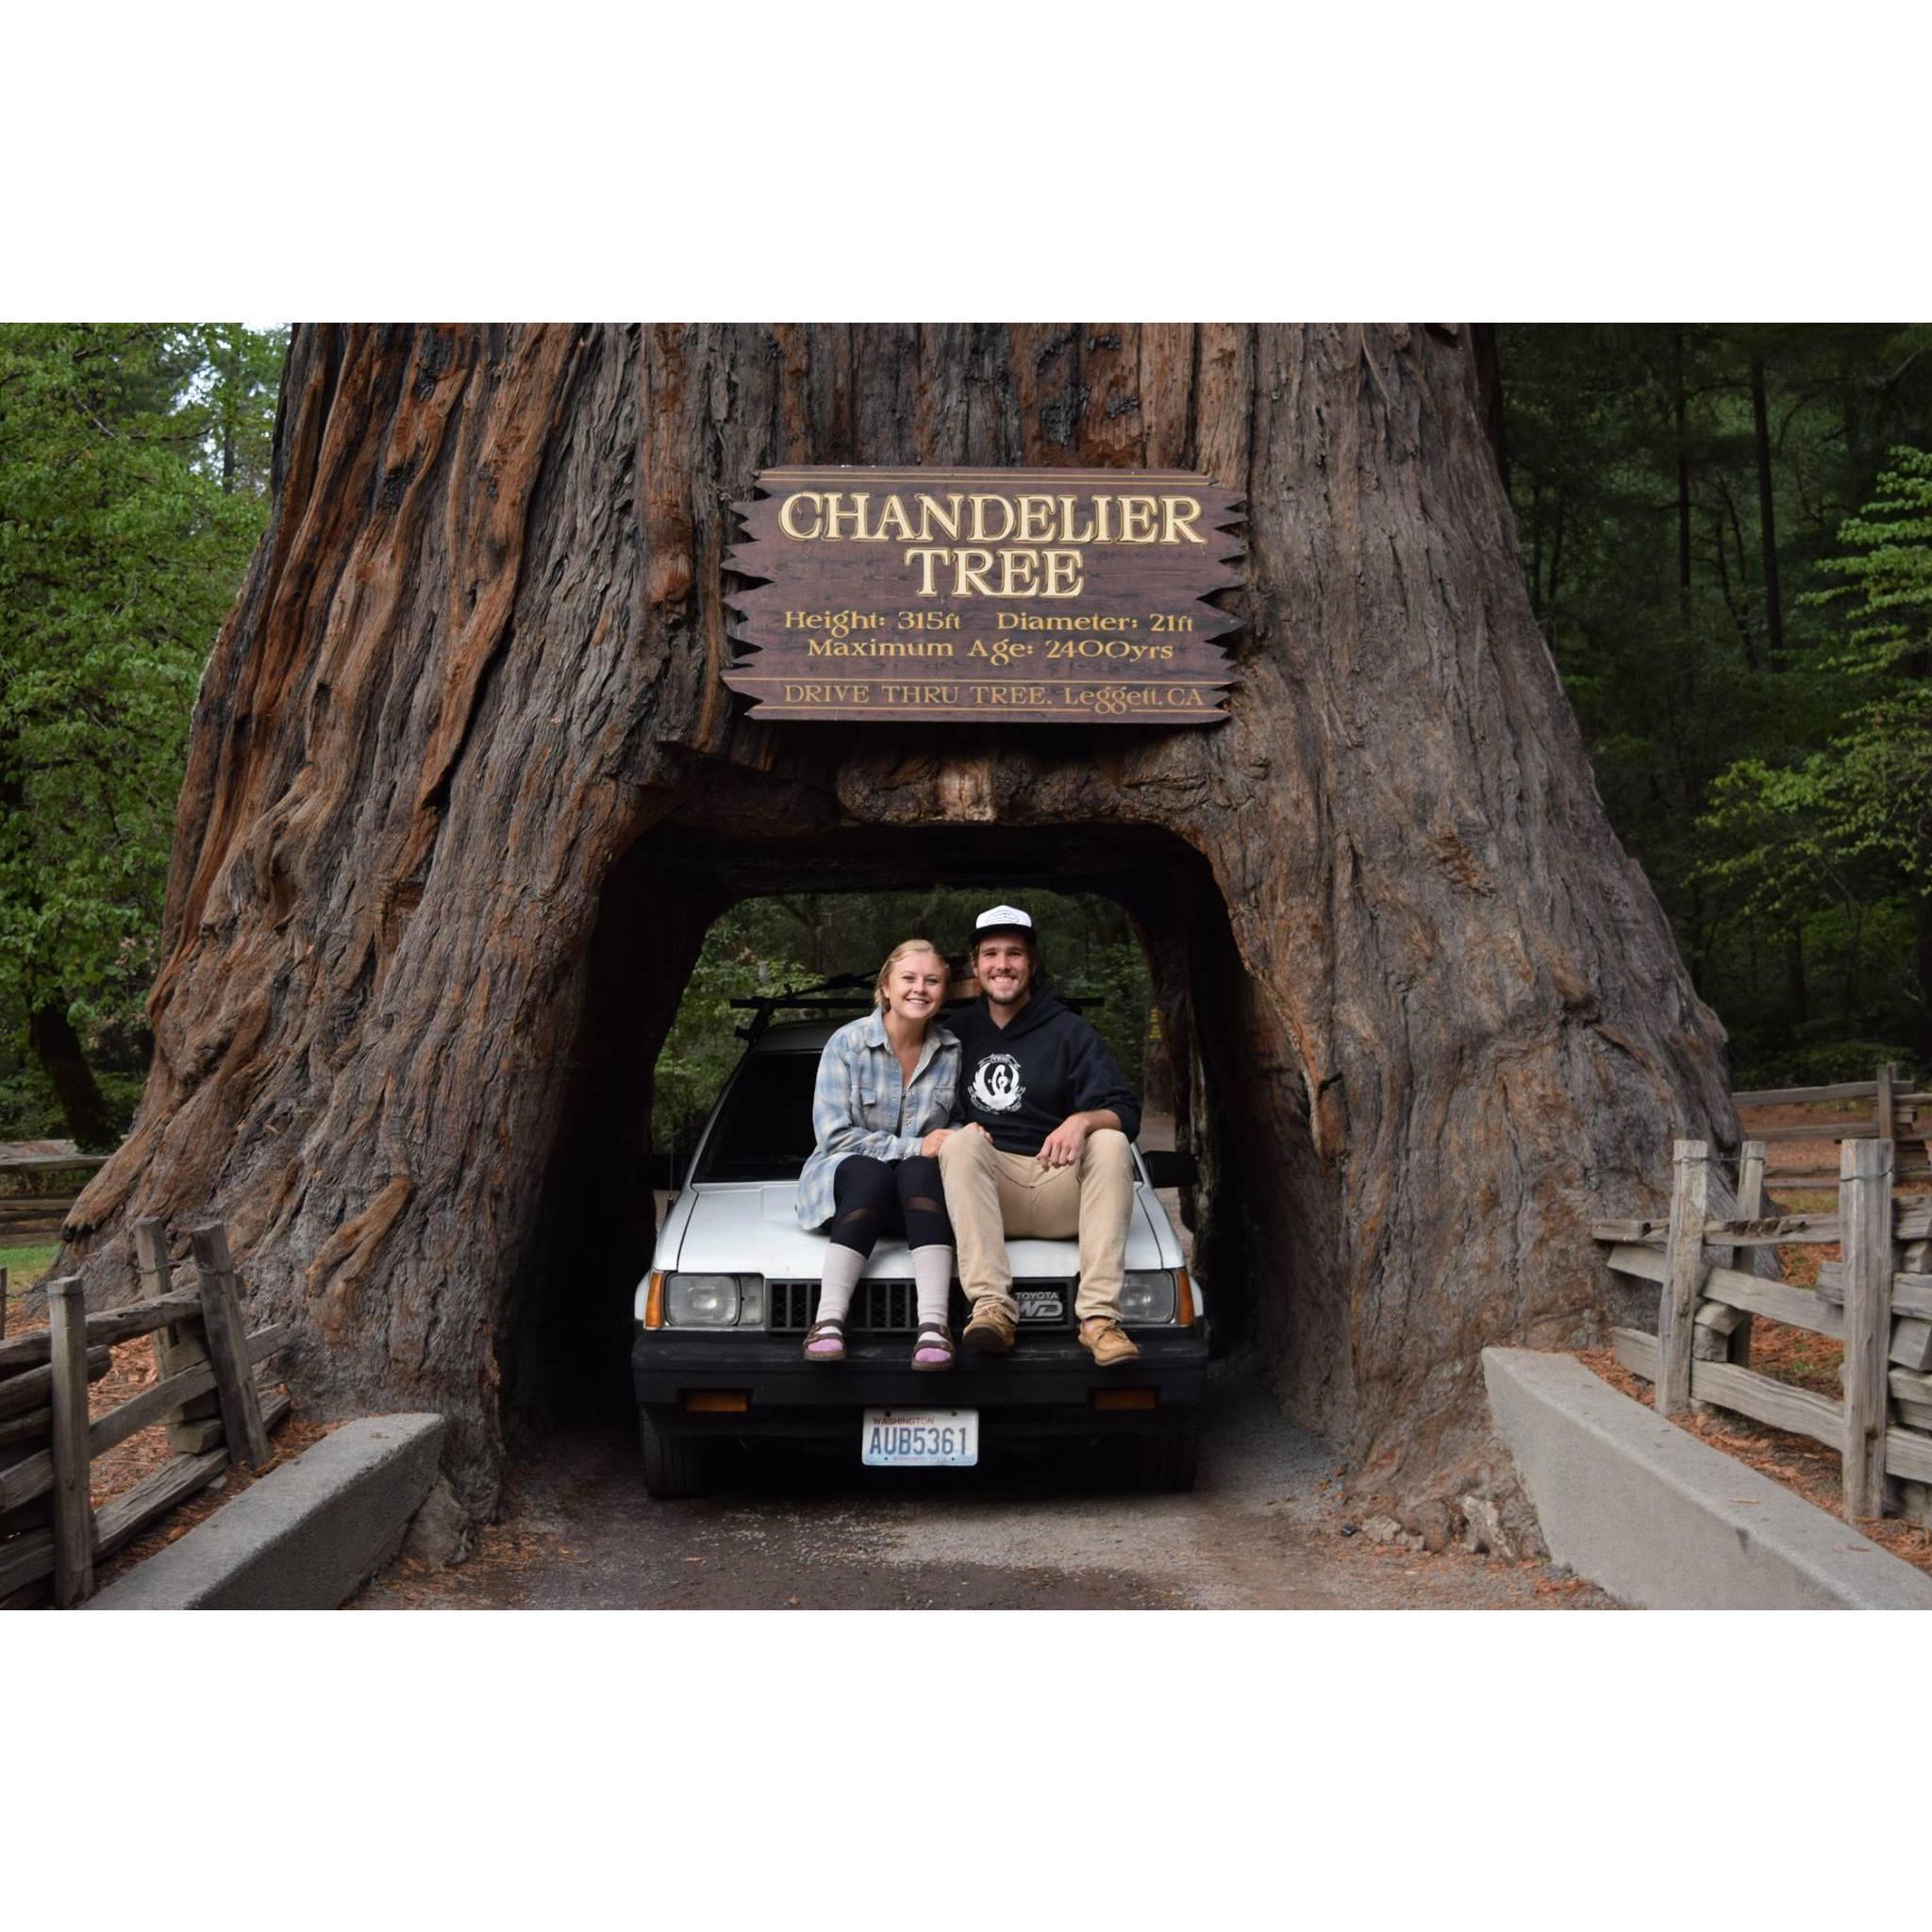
1001	918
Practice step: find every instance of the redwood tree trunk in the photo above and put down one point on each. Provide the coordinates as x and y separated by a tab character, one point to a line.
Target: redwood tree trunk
433	897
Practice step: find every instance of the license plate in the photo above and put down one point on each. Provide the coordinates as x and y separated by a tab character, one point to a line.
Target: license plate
920	1438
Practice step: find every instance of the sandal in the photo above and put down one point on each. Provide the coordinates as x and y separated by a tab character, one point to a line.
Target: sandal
833	1332
934	1339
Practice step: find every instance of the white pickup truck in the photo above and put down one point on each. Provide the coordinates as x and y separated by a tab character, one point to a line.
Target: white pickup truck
720	1317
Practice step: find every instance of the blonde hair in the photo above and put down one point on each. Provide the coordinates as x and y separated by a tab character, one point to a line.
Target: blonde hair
901	950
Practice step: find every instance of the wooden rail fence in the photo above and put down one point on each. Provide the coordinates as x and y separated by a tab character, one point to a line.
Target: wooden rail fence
1876	1300
1896	1115
31	1214
203	1360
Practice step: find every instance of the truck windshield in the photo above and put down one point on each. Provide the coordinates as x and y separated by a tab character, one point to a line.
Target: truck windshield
763	1131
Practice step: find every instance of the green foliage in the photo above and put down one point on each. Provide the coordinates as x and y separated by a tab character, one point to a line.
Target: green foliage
1114	974
1849	824
703	1046
229	404
132	478
1879	804
1742	743
1822	1065
1867	795
30	1111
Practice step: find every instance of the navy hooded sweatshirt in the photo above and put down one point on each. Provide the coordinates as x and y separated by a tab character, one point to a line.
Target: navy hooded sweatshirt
1020	1081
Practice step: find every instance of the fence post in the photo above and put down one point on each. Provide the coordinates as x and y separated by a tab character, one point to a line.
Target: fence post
1750	1180
227	1348
176	1346
74	1516
1723	1334
1684	1274
1864	1206
1883	1109
1750	1207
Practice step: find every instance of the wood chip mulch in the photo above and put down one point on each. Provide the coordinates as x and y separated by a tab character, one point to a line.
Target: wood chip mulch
120	1468
285	1444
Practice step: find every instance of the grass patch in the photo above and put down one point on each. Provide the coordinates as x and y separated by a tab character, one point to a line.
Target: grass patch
24	1266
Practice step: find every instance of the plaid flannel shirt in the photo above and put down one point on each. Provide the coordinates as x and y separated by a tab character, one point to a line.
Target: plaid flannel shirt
863	1104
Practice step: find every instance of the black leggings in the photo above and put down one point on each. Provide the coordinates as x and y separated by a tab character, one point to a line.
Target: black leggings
874	1197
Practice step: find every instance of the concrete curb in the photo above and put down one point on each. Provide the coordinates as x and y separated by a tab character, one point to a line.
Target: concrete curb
307	1536
1665	1522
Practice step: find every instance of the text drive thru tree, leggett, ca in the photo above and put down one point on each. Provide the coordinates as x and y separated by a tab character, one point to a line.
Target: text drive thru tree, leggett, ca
466	787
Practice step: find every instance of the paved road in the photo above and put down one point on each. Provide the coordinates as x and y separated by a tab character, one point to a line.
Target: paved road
1263	1529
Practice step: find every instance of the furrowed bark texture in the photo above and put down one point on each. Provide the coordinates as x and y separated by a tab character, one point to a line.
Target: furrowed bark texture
465	790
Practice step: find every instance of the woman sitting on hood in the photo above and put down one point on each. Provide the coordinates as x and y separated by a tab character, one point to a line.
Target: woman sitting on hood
886	1087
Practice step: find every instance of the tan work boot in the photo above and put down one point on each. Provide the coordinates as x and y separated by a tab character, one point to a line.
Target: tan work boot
1107	1341
990	1331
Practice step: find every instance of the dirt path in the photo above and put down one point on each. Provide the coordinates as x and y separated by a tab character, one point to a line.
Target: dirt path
1260	1532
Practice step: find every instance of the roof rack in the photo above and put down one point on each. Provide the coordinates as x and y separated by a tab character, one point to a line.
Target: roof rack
838	996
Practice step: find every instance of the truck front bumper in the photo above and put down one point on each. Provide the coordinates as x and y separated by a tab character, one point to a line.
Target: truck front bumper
1045	1388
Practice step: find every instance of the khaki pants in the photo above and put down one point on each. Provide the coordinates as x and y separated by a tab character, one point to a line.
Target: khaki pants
990	1195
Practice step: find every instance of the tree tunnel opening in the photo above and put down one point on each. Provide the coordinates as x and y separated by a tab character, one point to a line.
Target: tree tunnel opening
567	1323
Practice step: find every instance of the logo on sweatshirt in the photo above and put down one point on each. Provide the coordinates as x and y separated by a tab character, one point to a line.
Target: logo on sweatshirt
996	1084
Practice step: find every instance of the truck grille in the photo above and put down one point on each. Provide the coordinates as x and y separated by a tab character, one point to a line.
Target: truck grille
891	1308
879	1307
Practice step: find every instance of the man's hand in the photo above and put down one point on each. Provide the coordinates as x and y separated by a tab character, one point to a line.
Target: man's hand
1061	1148
934	1142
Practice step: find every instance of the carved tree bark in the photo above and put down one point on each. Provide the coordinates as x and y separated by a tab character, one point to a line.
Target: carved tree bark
465	790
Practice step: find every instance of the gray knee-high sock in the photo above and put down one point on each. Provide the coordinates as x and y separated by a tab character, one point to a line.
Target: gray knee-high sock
842	1268
932	1272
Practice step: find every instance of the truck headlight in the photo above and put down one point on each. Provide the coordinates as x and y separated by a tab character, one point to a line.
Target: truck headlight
712	1301
1147	1295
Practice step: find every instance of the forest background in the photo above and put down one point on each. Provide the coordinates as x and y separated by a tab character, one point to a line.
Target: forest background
1726	531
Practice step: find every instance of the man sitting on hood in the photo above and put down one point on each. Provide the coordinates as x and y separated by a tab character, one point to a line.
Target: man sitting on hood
1053	1154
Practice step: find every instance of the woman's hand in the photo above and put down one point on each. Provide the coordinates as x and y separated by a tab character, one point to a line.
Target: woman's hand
934	1142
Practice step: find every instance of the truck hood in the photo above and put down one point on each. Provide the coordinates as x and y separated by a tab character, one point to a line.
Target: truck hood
751	1228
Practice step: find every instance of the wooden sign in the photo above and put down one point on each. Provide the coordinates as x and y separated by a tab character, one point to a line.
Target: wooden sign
1022	597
